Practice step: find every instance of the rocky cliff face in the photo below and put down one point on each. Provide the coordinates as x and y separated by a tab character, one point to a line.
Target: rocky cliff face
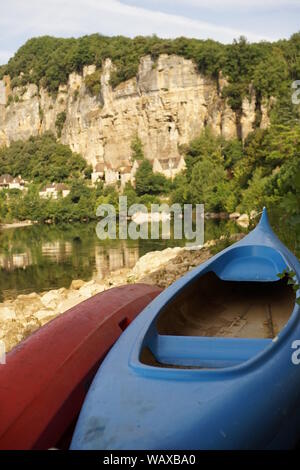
167	104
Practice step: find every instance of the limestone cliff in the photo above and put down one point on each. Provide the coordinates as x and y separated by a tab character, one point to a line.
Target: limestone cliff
166	104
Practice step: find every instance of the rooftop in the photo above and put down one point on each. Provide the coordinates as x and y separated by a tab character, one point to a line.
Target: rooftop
6	178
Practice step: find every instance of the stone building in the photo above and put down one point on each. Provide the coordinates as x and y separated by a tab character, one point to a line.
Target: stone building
98	173
169	167
8	182
53	190
111	175
5	181
125	175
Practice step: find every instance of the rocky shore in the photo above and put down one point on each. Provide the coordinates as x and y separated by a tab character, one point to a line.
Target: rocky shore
25	314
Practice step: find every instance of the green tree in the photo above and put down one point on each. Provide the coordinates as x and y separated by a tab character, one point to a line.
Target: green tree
208	185
137	148
147	182
42	159
60	122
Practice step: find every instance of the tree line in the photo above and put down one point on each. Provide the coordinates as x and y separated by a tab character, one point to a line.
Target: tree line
267	66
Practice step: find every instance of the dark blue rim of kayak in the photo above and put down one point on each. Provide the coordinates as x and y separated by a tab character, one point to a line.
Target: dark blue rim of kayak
261	237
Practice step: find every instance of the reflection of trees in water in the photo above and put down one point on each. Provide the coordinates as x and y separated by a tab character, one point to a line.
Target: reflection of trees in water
40	258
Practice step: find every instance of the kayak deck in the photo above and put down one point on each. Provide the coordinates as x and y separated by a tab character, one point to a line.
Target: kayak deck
212	307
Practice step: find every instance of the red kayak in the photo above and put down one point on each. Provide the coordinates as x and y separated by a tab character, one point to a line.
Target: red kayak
46	377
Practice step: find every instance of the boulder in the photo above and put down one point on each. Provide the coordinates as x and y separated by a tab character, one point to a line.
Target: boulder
44	313
253	214
73	299
243	221
7	313
76	284
234	215
27	305
51	299
152	261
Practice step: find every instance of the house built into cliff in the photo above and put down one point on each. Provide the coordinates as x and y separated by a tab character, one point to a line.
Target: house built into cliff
109	175
98	173
169	167
106	173
125	173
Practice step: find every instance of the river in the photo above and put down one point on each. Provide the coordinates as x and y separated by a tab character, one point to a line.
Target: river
40	258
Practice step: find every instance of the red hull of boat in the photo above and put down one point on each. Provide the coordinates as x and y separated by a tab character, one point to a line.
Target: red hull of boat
46	377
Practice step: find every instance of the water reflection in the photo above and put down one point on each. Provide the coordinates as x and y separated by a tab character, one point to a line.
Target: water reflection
111	259
57	251
15	261
40	258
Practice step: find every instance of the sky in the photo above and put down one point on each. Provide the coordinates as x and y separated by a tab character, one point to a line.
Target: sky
222	20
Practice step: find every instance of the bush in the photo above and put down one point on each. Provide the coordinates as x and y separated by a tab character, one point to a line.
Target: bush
60	121
93	83
137	148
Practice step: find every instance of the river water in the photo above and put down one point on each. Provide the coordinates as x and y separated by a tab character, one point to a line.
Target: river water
40	257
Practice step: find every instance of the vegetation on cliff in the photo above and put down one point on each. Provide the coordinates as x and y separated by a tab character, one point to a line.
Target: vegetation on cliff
268	67
42	159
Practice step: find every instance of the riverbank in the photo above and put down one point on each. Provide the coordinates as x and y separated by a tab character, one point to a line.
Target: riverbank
25	314
24	223
139	218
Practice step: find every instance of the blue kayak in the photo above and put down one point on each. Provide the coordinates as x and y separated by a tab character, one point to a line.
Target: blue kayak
212	363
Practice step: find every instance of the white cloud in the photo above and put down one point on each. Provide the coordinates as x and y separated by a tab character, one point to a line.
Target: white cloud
226	4
165	24
22	19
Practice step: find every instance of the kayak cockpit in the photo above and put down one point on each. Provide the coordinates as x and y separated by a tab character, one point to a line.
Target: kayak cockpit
212	307
216	323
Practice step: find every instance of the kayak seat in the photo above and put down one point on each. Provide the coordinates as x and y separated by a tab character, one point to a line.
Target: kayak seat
204	352
250	263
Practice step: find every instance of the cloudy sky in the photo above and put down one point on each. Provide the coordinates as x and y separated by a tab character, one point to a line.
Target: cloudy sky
222	20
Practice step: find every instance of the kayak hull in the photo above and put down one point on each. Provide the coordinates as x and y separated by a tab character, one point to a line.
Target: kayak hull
46	377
